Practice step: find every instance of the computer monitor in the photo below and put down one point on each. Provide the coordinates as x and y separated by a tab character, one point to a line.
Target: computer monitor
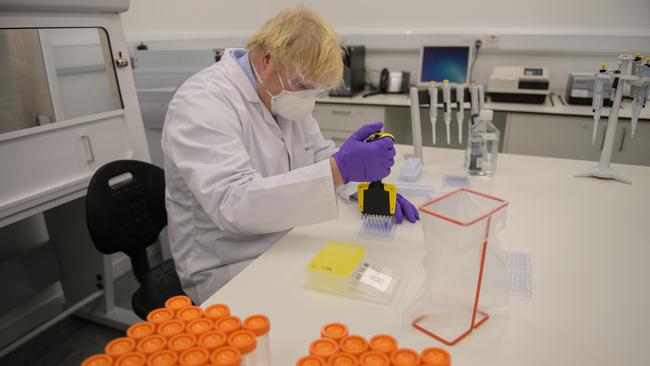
438	63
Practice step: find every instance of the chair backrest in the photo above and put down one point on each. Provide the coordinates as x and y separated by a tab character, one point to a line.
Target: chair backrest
125	209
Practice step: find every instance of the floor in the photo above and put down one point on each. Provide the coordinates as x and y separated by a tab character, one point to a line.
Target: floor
72	340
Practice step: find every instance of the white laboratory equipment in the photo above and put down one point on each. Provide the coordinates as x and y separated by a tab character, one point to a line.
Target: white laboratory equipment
630	71
460	111
597	101
483	146
446	105
94	118
433	109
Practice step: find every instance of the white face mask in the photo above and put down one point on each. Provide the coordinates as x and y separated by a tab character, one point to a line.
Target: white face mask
291	105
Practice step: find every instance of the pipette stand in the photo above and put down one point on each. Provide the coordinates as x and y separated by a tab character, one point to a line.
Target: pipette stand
603	170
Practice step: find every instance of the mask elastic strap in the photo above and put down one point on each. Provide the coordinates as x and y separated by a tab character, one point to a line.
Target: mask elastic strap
262	82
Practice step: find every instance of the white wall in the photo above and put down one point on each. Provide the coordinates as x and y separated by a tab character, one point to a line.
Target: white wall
565	35
207	18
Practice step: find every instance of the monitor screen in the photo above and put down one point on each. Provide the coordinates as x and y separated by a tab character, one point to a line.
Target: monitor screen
444	63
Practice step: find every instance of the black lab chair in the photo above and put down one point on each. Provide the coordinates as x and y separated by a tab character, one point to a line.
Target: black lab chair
125	212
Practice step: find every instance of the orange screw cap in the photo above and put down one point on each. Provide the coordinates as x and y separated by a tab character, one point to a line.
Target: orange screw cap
228	324
213	339
119	346
226	356
244	340
311	360
198	326
132	359
98	360
178	302
258	324
189	313
152	344
343	359
216	311
171	327
435	356
194	356
354	345
323	347
335	331
160	315
181	342
140	330
374	358
383	343
405	357
163	358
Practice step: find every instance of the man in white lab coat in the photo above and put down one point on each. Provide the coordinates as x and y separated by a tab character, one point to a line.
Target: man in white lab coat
245	160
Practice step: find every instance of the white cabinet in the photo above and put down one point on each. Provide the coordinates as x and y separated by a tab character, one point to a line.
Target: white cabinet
338	121
630	150
54	159
570	137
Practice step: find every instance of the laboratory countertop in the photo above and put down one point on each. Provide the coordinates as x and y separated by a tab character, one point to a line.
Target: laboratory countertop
555	107
587	239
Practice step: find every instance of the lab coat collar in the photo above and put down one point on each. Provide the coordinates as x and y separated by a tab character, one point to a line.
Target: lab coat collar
239	77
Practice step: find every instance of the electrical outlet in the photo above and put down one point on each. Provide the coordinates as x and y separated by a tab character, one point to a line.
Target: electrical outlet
490	41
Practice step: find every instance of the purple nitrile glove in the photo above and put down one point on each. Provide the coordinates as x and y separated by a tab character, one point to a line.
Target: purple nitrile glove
405	208
362	161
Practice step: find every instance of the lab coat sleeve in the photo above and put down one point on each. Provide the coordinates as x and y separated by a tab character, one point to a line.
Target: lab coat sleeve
323	148
203	139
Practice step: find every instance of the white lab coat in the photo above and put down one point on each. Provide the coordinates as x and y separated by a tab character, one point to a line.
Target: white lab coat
236	179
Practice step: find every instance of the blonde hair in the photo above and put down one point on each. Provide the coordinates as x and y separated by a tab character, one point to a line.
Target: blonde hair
301	38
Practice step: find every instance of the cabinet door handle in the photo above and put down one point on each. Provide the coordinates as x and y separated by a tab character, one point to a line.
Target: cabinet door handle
89	148
620	147
336	111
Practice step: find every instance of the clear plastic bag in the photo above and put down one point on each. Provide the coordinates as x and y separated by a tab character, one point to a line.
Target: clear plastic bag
465	266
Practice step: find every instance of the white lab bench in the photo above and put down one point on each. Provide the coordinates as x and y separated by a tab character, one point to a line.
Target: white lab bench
587	239
550	129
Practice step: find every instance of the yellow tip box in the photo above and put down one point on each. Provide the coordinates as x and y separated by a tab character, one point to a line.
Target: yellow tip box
345	269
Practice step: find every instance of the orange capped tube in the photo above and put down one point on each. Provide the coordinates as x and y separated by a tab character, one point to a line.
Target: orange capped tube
195	356
246	342
199	326
178	302
212	340
435	356
159	315
343	359
171	327
163	358
324	347
152	344
261	326
181	342
374	358
98	360
336	331
189	313
311	360
228	324
354	345
216	311
405	357
119	346
383	343
131	359
140	330
226	356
